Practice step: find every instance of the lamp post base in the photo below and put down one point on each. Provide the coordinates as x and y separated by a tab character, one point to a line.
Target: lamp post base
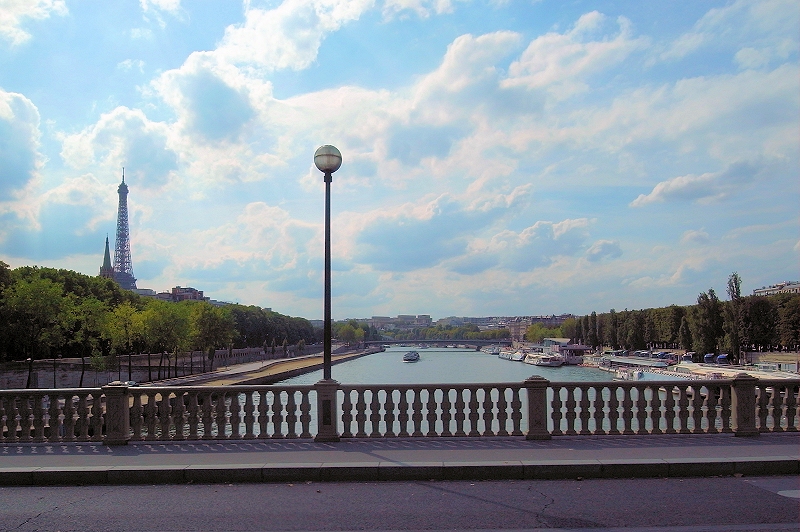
327	413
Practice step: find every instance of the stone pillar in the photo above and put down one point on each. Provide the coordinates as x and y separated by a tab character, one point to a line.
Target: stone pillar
327	411
743	407
117	416
537	408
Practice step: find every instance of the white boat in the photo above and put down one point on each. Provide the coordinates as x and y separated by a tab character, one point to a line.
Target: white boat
507	354
411	356
544	359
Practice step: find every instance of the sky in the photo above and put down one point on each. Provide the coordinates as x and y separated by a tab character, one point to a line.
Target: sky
500	157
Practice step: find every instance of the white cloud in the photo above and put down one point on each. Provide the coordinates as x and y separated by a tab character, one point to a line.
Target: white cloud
693	236
288	36
711	186
13	14
561	62
170	6
19	143
764	29
124	138
603	249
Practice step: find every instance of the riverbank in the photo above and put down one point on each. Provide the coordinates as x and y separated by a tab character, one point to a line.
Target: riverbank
263	372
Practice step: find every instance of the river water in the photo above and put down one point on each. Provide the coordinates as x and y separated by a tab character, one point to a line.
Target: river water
445	365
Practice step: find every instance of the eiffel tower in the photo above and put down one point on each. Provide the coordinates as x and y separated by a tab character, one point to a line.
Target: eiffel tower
123	268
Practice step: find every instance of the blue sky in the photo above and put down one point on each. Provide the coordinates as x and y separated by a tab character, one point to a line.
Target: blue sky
500	157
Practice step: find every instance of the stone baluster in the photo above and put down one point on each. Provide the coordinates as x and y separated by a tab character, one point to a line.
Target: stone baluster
178	417
361	414
641	409
613	409
263	420
403	416
683	409
516	411
669	409
25	418
97	417
571	414
585	404
460	415
627	408
208	416
12	413
791	406
762	406
502	411
117	414
558	415
193	418
151	416
69	418
37	418
698	402
164	412
83	417
416	413
536	387
291	415
714	391
136	415
725	409
389	415
431	416
236	417
473	411
743	405
3	425
347	414
305	414
777	406
220	411
54	414
600	414
277	414
655	409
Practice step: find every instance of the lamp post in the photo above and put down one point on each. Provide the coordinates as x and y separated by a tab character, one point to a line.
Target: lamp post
327	159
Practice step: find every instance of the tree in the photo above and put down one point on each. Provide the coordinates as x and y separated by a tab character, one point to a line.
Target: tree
347	333
166	329
708	321
789	322
592	338
123	327
685	335
35	312
211	327
86	323
758	322
732	311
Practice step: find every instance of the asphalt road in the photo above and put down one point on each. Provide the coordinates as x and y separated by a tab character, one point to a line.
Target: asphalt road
690	504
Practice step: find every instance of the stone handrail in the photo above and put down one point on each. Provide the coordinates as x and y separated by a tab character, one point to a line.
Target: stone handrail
535	408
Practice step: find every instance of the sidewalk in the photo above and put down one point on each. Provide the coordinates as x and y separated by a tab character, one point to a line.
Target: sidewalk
400	459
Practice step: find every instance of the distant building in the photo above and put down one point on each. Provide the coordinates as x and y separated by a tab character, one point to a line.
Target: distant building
180	293
786	287
107	270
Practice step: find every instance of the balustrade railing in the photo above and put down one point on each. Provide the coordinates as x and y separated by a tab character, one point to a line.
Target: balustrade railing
431	410
535	408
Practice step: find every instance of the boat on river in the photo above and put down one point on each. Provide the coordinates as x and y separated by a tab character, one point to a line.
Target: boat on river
545	359
411	356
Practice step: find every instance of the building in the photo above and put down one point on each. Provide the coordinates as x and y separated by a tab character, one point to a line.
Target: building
107	270
180	293
786	287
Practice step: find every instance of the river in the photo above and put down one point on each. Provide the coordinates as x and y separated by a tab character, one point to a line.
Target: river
445	365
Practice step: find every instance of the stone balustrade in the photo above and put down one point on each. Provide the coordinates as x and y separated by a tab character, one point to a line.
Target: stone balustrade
535	408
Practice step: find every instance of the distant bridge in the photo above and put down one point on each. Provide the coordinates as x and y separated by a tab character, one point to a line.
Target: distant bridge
469	343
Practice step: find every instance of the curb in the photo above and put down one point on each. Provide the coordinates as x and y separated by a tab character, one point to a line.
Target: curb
393	471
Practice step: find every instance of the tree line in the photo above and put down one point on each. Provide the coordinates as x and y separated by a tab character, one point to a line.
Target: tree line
47	312
733	326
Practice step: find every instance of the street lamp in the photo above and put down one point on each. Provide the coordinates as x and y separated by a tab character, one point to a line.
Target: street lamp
327	159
